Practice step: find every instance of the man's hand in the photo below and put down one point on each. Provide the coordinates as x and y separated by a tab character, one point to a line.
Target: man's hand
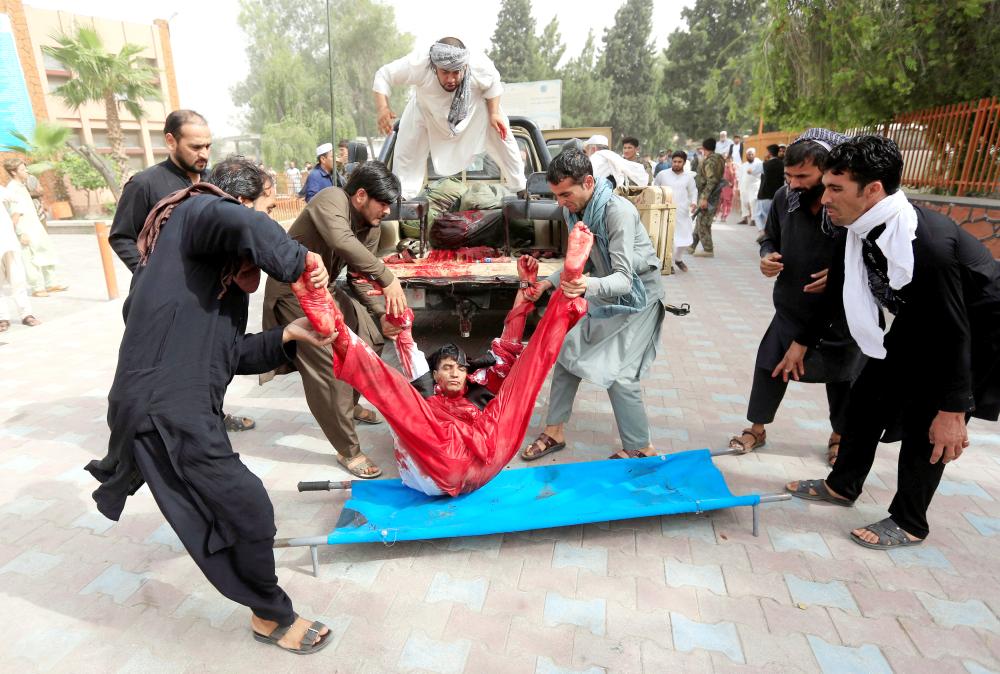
792	364
496	121
575	288
24	239
301	330
535	291
770	266
385	119
703	204
395	298
319	277
949	436
389	331
819	285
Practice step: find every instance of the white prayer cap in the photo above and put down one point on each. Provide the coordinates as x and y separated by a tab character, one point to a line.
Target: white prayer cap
323	149
596	139
752	149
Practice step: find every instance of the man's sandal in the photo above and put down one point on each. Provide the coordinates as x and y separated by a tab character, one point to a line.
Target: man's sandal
815	490
736	442
4	326
234	424
832	450
631	454
541	446
312	641
889	536
366	416
357	465
30	321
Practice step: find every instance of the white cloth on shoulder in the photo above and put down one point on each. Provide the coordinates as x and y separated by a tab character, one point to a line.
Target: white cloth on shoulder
609	163
860	306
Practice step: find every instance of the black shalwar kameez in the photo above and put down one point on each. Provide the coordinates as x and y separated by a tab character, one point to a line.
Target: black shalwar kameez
184	341
942	354
806	247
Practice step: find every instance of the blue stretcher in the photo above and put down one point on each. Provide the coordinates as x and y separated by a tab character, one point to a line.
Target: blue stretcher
385	511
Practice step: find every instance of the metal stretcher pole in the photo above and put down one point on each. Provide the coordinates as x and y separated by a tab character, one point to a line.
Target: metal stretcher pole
766	498
312	541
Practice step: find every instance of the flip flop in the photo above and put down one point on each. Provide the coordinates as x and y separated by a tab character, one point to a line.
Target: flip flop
356	466
312	641
547	444
236	424
806	487
890	535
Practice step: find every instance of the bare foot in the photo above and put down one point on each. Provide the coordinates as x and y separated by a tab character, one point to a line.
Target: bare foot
293	637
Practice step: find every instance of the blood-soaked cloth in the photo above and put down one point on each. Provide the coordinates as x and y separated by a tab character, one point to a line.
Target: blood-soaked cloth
448	444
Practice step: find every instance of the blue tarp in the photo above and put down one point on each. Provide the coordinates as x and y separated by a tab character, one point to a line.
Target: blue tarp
538	498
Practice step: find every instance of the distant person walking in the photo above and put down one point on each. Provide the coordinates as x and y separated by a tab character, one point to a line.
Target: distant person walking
12	279
709	182
685	194
37	251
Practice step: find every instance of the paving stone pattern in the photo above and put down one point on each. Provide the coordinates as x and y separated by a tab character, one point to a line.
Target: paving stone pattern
674	594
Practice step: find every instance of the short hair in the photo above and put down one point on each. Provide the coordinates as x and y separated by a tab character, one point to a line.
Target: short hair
806	150
11	165
868	158
570	163
343	143
238	177
630	140
376	179
178	118
680	154
453	41
453	351
709	144
773	149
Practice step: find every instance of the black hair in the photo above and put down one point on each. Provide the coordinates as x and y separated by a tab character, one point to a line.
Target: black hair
680	153
630	140
343	143
868	158
238	177
453	41
320	156
178	118
806	150
376	179
709	144
570	163
773	149
453	351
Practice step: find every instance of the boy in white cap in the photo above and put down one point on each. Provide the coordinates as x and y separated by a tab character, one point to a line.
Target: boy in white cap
322	175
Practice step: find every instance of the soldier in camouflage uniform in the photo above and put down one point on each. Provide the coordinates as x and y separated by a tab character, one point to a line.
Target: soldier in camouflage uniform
709	183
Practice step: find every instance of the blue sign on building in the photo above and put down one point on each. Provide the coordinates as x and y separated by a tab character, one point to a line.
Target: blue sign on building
15	103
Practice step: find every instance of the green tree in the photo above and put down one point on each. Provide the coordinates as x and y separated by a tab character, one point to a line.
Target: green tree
548	51
514	51
81	174
43	148
586	94
857	62
119	80
706	77
627	62
286	95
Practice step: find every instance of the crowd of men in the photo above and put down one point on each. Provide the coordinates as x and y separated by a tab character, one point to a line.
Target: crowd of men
837	234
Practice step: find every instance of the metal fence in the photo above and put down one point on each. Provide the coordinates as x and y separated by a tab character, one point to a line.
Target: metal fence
949	149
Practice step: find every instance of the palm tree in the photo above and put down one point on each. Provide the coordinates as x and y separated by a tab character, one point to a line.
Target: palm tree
43	148
121	79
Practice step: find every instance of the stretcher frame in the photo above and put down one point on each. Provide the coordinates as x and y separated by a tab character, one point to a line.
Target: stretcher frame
313	542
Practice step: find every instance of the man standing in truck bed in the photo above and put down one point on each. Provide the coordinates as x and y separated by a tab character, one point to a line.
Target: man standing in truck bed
454	115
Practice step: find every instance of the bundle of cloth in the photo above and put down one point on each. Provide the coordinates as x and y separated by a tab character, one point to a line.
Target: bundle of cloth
454	433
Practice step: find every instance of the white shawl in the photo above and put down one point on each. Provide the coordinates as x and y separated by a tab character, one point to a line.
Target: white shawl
860	306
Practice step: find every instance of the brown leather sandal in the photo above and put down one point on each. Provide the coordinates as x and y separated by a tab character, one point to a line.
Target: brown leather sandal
542	445
736	442
358	465
366	416
631	454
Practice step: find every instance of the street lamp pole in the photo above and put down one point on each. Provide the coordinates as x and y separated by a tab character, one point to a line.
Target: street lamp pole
329	45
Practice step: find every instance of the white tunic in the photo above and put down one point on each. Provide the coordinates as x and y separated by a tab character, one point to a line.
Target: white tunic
750	182
424	126
685	194
609	163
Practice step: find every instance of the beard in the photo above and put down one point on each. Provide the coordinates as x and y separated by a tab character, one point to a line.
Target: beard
810	196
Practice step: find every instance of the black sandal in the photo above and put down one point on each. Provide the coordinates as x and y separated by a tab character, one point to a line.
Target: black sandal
890	535
235	424
816	490
736	442
312	640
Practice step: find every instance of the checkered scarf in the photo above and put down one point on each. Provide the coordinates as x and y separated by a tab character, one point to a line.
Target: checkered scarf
448	57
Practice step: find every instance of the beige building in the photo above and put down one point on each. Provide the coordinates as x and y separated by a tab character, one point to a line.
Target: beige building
144	137
32	28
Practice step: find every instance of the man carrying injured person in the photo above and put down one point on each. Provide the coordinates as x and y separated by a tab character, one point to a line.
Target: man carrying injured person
454	431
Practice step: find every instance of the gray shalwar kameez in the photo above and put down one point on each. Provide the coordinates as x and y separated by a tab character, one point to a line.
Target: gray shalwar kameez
614	352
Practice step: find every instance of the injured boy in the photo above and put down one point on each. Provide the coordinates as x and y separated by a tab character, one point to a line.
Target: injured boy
454	430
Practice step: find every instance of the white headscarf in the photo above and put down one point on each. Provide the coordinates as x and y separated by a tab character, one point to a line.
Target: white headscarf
860	306
451	58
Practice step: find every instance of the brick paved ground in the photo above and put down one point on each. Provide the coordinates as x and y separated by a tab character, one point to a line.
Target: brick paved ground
699	594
